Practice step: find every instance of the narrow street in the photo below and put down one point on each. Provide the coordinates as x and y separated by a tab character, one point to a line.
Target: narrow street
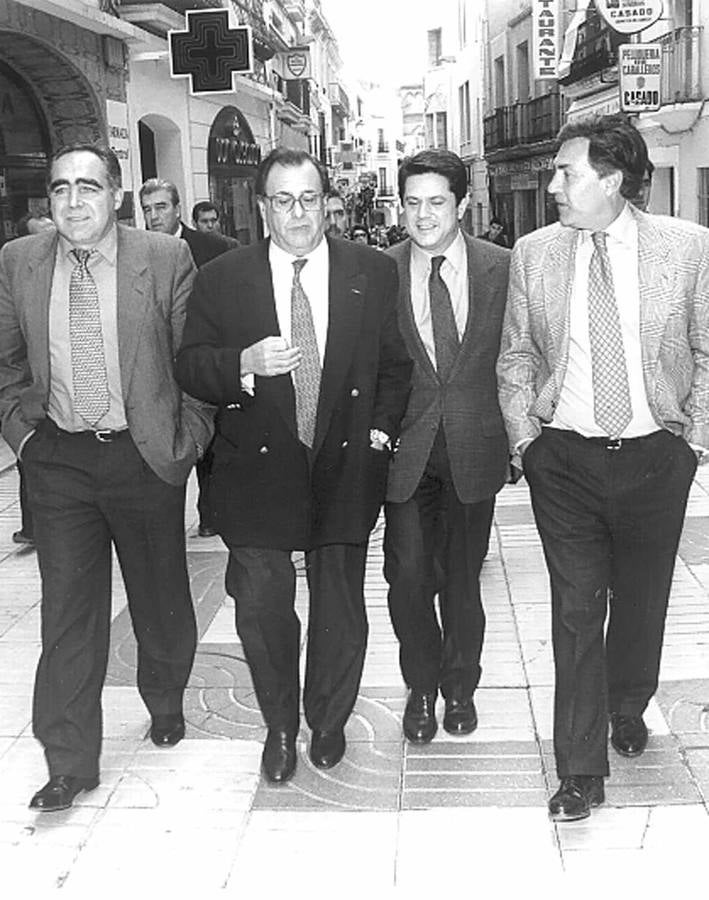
198	817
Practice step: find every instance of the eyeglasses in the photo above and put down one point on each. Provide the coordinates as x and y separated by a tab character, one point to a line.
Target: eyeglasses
284	203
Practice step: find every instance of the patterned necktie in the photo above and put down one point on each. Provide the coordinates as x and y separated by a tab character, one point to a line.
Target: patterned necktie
445	332
88	363
307	375
611	394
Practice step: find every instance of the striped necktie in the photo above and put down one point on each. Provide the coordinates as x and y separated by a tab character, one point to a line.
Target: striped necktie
88	362
611	393
307	375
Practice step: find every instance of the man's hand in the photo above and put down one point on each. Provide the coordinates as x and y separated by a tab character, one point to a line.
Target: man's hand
270	356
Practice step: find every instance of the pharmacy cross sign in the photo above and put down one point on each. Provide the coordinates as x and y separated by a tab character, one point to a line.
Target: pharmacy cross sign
209	52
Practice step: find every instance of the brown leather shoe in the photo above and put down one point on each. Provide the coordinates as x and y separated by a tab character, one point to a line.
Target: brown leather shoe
59	792
420	725
576	796
628	734
279	756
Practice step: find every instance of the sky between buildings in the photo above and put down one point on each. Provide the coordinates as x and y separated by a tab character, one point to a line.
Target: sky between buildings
382	41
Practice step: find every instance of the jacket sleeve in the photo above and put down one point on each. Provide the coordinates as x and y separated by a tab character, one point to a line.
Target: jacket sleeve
15	374
519	360
197	415
395	366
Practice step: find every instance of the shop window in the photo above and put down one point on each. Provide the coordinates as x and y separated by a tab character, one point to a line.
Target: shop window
702	196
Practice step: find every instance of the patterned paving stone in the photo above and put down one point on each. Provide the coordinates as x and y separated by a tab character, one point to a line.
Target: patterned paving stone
694	544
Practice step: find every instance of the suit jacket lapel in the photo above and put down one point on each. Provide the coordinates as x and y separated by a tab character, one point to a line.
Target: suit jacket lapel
558	267
407	320
132	276
347	287
655	280
40	265
258	282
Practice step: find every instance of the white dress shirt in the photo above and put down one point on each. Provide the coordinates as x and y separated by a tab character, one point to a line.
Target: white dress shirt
314	276
575	408
454	272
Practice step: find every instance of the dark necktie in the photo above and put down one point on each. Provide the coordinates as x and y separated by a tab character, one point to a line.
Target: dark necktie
307	375
88	362
611	395
445	333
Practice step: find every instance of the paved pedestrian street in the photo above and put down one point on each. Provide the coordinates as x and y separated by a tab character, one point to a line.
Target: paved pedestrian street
465	814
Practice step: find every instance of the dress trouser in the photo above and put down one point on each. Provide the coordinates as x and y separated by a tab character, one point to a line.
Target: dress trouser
608	519
86	496
25	511
434	544
262	583
203	469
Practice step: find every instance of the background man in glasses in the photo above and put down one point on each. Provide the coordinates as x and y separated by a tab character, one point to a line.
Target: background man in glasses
295	339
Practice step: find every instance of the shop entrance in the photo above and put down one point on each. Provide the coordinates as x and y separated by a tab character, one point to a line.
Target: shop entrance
24	151
233	158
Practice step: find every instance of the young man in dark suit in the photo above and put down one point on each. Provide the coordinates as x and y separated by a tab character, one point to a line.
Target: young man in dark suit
295	339
452	455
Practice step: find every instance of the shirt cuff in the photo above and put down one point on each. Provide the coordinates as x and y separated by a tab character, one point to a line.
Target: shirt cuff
248	384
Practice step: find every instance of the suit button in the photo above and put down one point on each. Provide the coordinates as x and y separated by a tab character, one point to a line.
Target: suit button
345	443
263	449
354	392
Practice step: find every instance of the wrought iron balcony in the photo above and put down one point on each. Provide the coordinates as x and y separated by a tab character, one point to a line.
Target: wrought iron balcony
523	123
338	99
681	65
596	50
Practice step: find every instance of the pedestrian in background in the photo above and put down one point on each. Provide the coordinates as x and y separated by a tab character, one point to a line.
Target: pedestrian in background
160	203
90	319
604	385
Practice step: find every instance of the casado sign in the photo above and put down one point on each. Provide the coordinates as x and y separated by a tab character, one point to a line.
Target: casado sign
630	16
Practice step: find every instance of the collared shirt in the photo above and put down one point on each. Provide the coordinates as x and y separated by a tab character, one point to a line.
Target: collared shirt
102	266
575	408
454	272
314	277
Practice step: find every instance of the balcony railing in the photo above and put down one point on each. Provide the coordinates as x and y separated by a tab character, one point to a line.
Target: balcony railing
298	93
681	65
523	123
383	147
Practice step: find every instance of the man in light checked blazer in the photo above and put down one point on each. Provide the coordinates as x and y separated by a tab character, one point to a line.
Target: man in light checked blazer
608	499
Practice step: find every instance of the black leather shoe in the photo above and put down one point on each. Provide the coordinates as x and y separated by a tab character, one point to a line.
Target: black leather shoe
279	757
327	748
21	537
168	730
59	792
576	796
628	734
460	716
206	531
420	723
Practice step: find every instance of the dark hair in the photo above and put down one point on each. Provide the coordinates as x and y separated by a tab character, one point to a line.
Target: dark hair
202	207
614	145
334	194
105	154
440	162
285	156
159	184
495	221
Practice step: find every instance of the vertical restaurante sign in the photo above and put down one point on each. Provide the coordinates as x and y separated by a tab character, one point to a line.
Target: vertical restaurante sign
545	38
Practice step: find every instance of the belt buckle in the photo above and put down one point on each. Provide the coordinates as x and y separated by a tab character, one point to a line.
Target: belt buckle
104	435
614	443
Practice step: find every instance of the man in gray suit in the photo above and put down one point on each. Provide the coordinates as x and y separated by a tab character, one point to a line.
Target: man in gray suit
90	319
452	457
604	387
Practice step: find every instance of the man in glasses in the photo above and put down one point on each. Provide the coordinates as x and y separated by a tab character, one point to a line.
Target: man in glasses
295	339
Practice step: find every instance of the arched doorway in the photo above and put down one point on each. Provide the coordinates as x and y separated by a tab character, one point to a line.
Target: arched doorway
45	103
24	151
233	157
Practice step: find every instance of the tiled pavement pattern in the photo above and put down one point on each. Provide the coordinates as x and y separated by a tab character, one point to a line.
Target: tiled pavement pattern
466	812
